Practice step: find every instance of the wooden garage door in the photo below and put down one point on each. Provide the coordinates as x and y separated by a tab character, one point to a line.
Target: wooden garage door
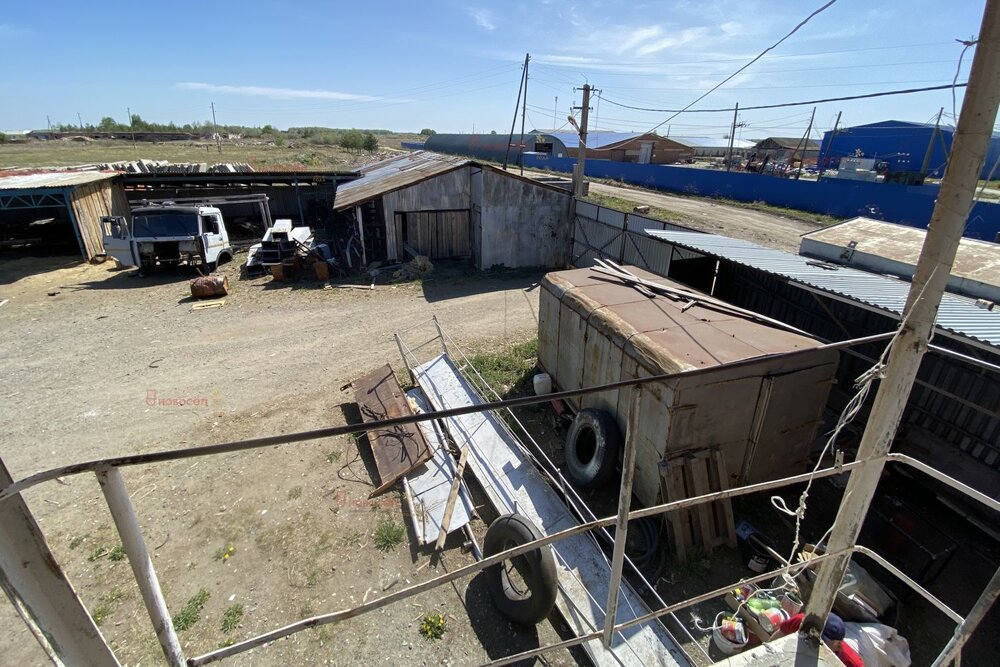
436	234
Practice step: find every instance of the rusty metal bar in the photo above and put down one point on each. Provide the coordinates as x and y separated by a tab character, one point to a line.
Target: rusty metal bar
332	431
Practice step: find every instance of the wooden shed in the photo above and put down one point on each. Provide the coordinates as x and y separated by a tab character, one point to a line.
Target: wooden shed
53	212
763	416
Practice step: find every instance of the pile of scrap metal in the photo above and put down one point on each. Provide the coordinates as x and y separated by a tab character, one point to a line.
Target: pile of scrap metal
287	251
165	167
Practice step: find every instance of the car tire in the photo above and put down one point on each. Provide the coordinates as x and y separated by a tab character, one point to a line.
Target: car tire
593	445
530	599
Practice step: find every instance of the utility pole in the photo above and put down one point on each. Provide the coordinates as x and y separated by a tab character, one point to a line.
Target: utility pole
79	119
215	129
524	109
803	142
555	110
732	138
48	123
131	126
829	147
925	165
581	151
951	210
513	122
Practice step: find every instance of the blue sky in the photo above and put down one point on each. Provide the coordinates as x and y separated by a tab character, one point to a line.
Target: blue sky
455	66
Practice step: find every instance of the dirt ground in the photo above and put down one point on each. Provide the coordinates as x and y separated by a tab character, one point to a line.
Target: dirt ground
80	369
766	229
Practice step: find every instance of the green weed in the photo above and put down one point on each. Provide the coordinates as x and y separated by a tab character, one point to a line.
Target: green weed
388	534
189	615
231	617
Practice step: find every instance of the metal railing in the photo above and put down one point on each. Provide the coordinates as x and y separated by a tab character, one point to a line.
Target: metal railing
126	522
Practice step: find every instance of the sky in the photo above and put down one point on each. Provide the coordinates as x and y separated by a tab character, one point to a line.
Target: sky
456	66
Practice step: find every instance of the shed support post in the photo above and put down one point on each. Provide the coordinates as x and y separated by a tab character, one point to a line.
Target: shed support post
40	591
113	486
621	524
972	136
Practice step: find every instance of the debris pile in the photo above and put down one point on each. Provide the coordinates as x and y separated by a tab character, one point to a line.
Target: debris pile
417	267
165	167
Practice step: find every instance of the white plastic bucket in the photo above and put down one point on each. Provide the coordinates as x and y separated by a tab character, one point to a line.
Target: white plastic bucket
723	643
543	384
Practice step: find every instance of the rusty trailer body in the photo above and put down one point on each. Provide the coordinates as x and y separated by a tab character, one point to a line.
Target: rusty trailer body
763	417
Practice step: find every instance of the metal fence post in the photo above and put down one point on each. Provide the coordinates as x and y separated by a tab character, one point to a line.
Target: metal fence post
116	495
953	649
621	525
444	343
40	592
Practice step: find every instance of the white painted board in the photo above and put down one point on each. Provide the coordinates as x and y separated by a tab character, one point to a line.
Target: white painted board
513	484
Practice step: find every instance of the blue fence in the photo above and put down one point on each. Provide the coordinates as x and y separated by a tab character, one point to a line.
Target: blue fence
905	204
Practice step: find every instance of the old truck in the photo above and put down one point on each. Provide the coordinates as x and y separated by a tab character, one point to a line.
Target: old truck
168	234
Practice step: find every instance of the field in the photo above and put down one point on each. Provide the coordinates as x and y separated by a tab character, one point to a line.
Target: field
262	155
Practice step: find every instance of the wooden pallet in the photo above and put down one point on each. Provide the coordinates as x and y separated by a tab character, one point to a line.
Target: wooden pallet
707	526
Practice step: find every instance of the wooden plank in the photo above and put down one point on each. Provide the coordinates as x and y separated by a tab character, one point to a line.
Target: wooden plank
397	450
449	509
696	475
680	520
725	506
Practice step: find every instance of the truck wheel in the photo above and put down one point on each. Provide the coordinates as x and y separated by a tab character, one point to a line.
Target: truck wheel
224	258
524	587
592	448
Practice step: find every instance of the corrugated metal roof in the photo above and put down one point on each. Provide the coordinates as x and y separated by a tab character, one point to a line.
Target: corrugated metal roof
393	174
958	315
52	179
595	139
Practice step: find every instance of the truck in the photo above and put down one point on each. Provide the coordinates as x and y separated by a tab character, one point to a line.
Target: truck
168	234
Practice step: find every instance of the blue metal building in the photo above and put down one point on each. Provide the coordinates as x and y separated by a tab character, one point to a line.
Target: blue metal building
902	145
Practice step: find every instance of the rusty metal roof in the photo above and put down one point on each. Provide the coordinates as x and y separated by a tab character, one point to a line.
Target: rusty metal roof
958	315
48	180
399	172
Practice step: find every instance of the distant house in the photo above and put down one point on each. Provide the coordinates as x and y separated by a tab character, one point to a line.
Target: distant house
644	148
787	149
715	146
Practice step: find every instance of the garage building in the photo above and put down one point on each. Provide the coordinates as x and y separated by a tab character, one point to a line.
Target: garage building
452	208
57	213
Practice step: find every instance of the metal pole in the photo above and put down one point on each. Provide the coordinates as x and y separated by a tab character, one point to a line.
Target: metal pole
972	136
215	128
925	165
555	110
953	649
581	151
444	343
805	145
524	110
621	524
732	137
41	593
829	148
116	495
520	87
131	125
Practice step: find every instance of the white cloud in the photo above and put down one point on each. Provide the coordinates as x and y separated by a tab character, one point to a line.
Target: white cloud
277	93
685	36
638	37
483	17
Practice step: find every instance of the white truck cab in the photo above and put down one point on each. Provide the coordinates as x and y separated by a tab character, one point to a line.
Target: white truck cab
168	234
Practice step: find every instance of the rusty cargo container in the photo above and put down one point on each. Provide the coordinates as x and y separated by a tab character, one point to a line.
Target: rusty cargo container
763	416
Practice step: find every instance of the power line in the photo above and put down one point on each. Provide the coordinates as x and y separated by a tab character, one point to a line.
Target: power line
885	93
744	67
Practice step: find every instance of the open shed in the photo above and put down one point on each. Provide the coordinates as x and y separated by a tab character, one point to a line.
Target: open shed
55	213
452	208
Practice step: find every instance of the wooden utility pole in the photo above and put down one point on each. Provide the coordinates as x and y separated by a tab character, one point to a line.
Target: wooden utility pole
925	165
513	122
80	118
803	144
732	138
524	110
581	151
826	154
215	130
954	201
131	126
555	111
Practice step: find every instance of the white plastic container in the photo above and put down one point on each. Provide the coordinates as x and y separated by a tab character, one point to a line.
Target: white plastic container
723	643
543	384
